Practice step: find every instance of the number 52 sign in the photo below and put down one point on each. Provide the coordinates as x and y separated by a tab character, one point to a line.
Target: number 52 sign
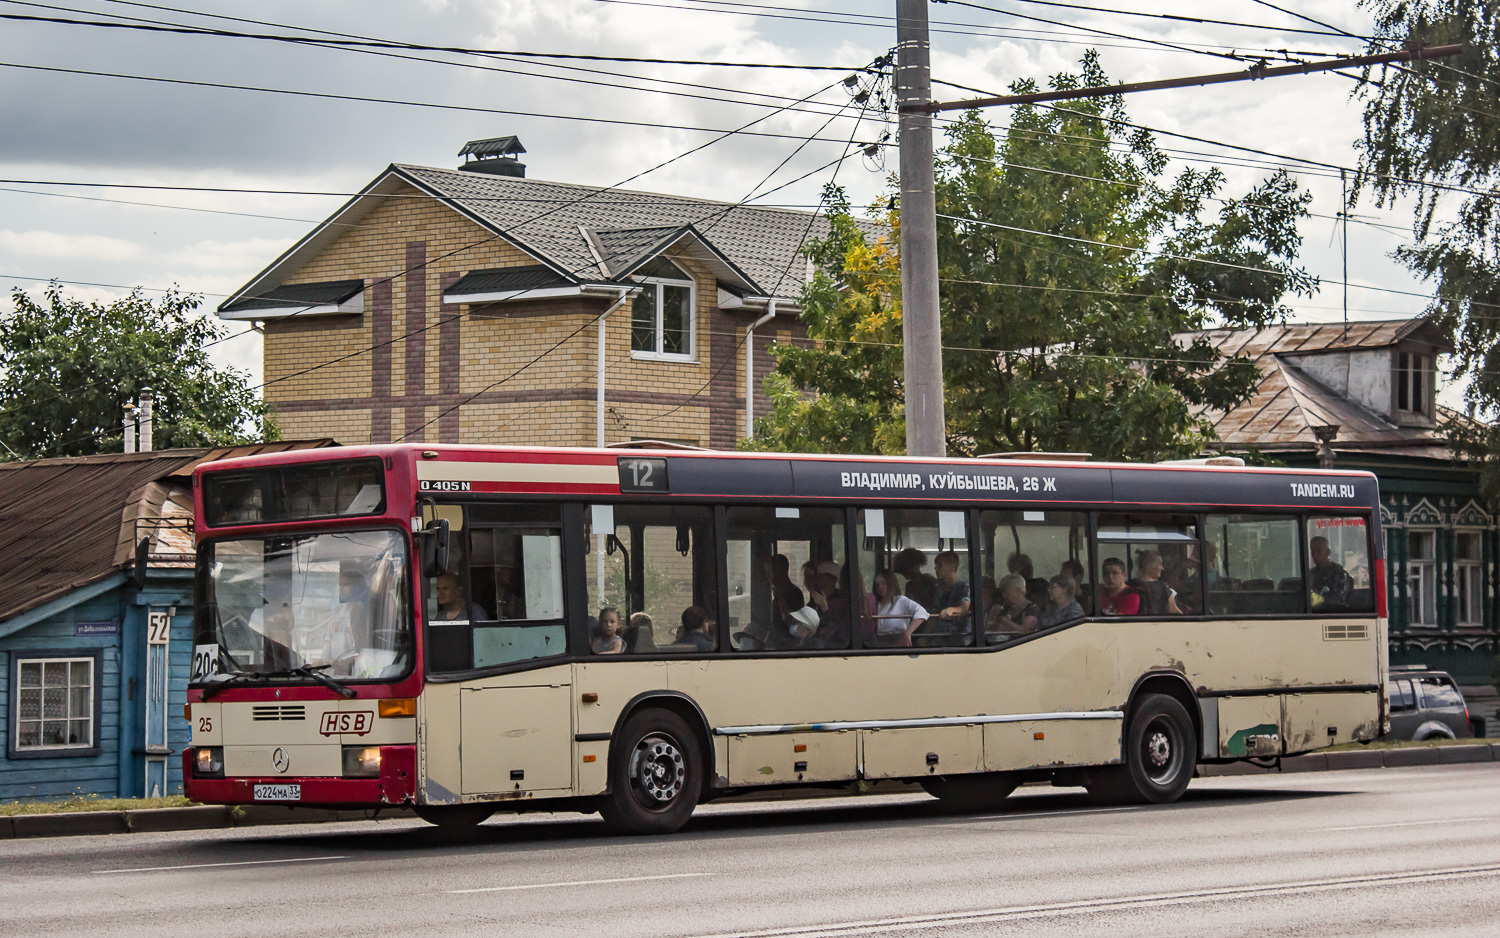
158	628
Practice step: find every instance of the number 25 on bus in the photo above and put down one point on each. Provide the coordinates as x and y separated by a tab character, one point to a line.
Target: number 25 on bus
466	629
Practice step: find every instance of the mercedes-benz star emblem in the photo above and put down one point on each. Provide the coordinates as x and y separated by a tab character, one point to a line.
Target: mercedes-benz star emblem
280	760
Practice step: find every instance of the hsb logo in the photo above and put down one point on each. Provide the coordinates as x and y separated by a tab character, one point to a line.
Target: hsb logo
357	722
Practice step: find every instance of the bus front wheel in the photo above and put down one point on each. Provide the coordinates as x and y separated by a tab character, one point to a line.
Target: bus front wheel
1160	752
655	774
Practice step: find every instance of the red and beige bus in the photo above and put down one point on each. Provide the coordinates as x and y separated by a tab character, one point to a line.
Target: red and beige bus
465	629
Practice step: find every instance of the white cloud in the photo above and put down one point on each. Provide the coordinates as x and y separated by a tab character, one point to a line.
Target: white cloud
59	244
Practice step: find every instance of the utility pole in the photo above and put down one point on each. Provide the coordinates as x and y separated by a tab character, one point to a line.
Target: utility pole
921	328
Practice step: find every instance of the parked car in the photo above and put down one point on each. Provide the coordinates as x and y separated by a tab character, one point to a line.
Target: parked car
1425	704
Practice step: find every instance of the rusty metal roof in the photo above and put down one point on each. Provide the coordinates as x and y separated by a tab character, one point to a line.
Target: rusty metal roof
1288	402
69	522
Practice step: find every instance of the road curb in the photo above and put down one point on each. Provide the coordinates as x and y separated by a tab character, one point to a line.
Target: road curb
161	820
1361	759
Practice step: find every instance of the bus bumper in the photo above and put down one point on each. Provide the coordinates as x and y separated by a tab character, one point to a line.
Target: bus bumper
397	784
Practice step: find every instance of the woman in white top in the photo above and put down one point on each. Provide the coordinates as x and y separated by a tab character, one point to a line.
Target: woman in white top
896	616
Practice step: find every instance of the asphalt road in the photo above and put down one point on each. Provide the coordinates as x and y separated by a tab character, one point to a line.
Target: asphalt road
1380	852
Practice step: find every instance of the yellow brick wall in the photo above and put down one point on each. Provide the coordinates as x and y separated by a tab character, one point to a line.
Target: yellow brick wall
298	353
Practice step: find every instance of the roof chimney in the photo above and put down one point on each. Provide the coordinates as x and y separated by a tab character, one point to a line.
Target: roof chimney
495	156
128	425
145	445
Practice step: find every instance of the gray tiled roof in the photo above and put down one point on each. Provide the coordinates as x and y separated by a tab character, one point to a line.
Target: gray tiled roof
546	219
624	248
501	279
313	294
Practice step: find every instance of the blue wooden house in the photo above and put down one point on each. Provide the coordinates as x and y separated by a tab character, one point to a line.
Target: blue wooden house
96	591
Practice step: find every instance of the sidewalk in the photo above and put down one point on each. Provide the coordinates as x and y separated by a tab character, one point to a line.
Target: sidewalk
1364	759
212	817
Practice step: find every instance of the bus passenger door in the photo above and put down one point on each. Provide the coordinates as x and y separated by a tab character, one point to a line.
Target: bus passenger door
515	739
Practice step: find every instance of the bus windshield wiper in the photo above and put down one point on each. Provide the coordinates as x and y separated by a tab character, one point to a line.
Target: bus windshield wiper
242	678
235	679
316	673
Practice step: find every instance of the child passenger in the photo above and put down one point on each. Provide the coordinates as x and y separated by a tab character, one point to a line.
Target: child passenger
606	639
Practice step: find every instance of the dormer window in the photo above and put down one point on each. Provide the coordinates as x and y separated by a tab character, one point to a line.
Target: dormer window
661	321
1414	384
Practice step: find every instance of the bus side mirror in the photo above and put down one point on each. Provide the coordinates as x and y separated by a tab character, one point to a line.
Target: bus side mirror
434	548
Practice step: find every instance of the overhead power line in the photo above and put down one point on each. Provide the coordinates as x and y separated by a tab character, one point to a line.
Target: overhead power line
1098	32
816	108
426	104
1161	16
410	46
875	21
1254	73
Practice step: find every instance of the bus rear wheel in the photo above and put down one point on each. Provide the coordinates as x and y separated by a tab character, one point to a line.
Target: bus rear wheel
1160	752
655	774
454	818
979	792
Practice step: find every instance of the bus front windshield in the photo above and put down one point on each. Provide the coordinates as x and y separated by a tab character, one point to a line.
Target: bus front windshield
335	603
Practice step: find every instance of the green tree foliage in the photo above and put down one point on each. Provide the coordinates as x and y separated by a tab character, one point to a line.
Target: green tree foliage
1432	132
1062	343
67	369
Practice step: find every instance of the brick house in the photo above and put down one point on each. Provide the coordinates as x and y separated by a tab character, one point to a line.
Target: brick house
479	306
1364	397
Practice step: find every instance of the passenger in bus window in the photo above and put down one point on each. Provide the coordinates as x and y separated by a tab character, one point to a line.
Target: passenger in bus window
989	602
1073	569
1021	566
1329	582
921	587
1116	597
1017	613
953	600
606	639
348	626
809	574
832	604
509	604
896	616
786	599
1062	603
1157	598
449	590
697	629
640	637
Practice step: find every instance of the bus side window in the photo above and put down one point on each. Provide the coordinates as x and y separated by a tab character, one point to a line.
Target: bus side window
656	563
1157	551
788	586
1033	572
1251	565
925	556
1338	565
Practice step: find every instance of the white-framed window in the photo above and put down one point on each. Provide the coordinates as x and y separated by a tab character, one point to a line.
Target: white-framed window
1421	576
662	316
1414	383
53	704
1469	575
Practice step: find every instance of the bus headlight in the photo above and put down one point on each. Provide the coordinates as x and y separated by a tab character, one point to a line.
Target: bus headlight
208	762
361	762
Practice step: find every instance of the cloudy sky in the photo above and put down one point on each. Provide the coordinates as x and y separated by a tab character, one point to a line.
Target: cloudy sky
60	126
